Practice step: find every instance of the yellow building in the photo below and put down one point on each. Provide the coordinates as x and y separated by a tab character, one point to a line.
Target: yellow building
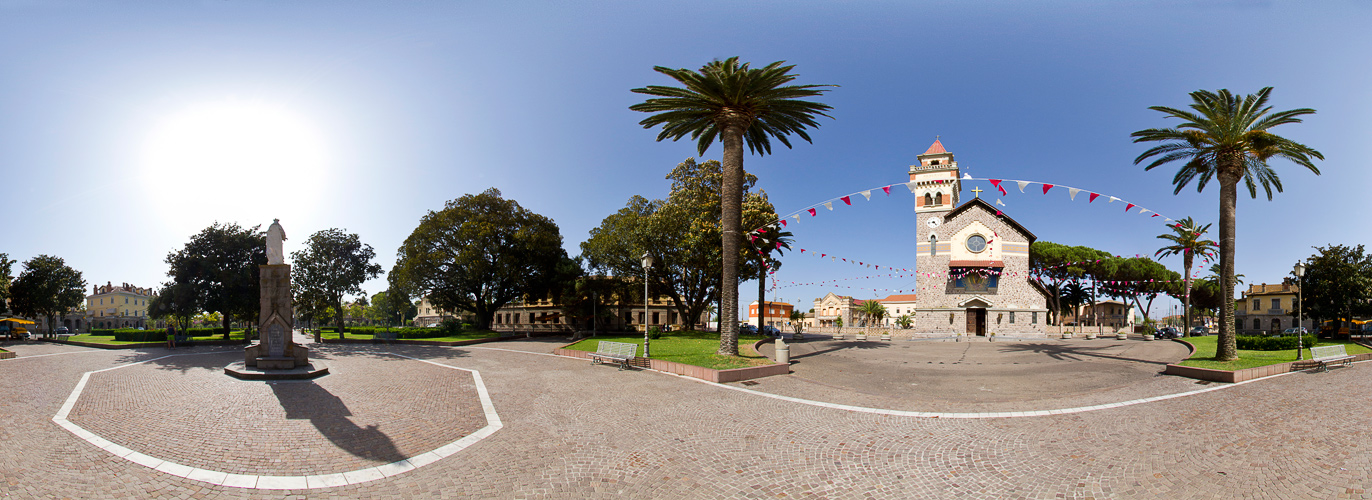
1266	309
124	306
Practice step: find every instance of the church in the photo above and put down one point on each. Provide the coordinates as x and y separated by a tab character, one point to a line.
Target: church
979	257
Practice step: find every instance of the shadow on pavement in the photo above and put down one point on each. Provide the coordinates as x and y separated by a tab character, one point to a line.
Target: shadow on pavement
328	414
1072	353
838	345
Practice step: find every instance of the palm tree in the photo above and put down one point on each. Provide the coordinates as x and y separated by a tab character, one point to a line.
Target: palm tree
1073	295
1226	138
739	105
797	320
904	321
1187	243
874	312
768	240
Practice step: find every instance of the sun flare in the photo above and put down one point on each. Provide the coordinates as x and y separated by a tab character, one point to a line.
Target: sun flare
234	161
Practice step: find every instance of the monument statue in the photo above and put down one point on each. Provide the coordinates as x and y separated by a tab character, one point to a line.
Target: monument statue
275	235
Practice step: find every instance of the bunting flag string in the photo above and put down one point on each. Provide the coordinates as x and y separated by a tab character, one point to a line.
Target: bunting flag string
998	184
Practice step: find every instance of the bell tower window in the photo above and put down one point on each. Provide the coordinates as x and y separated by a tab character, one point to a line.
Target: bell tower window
933	245
938	199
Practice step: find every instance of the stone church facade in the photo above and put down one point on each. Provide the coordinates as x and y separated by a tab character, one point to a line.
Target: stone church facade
980	258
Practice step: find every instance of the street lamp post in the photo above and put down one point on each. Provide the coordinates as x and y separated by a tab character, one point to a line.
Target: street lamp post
1300	330
647	263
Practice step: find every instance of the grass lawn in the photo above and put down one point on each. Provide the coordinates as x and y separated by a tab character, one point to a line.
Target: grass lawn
1206	346
109	339
690	348
483	334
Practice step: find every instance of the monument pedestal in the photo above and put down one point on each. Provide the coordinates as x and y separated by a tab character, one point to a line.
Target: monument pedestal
276	350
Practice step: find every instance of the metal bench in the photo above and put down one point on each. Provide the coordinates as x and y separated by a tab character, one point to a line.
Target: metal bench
619	352
1330	354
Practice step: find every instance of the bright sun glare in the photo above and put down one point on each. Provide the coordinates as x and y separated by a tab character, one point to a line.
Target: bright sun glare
239	162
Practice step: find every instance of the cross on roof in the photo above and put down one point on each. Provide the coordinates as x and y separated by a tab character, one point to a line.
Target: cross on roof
977	192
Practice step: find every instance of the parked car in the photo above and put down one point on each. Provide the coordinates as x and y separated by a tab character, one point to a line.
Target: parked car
1292	332
62	330
770	331
747	330
1199	331
1167	332
19	332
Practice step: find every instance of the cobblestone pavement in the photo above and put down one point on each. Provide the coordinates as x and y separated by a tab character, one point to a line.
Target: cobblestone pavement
573	430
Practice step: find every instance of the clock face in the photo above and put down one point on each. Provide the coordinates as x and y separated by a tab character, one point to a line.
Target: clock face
976	243
933	222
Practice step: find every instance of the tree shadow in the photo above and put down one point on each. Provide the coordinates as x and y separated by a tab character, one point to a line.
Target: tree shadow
328	414
1072	353
824	347
179	359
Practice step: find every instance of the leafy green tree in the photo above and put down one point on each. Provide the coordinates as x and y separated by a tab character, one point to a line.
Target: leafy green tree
1226	137
47	287
391	307
739	105
177	302
1186	242
477	254
681	233
334	264
1140	278
1055	265
220	264
1073	295
6	268
1337	284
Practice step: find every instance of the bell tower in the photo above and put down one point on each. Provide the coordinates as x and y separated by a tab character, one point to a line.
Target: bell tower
936	180
936	187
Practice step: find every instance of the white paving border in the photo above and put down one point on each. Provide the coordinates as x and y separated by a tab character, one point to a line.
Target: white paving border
493	424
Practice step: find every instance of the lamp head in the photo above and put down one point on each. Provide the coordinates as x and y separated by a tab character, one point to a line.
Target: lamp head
1300	269
647	260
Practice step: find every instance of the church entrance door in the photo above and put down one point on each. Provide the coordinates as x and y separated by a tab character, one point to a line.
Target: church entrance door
976	322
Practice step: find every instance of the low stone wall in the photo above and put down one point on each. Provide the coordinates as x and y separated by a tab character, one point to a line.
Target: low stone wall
700	372
6	354
1247	373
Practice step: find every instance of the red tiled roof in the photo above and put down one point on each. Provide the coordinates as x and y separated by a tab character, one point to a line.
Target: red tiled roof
936	148
908	297
976	263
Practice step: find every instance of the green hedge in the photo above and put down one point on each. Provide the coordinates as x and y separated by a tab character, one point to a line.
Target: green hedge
156	335
405	332
1271	343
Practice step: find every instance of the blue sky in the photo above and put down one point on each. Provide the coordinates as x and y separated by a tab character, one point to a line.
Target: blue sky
113	117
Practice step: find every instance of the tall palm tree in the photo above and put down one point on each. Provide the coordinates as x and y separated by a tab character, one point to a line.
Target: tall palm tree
1073	295
739	105
1186	241
1226	138
768	240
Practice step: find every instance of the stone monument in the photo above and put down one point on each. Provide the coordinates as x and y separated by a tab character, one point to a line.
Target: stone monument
276	350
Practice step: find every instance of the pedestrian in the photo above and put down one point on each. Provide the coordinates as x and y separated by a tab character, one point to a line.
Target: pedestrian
171	336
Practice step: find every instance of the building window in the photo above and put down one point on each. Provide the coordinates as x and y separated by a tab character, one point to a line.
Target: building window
640	318
933	245
655	318
938	198
1012	317
1257	304
1276	303
1257	324
1034	317
928	199
531	317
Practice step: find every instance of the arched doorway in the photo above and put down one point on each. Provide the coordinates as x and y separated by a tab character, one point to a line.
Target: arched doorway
976	316
1276	325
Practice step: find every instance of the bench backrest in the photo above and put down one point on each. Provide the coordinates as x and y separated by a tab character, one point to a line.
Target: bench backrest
1325	351
617	348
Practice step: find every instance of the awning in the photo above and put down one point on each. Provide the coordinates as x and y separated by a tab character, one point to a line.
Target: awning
17	320
976	263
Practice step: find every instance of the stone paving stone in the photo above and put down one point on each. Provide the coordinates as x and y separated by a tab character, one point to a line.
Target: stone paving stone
649	435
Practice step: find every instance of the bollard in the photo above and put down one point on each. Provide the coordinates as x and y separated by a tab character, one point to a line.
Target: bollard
783	352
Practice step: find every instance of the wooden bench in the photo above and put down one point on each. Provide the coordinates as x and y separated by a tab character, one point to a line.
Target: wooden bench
619	352
1330	354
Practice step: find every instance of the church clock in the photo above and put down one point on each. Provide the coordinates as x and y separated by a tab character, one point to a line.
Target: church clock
933	222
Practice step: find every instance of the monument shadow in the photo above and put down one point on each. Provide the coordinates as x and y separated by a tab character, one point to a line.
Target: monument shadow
328	414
